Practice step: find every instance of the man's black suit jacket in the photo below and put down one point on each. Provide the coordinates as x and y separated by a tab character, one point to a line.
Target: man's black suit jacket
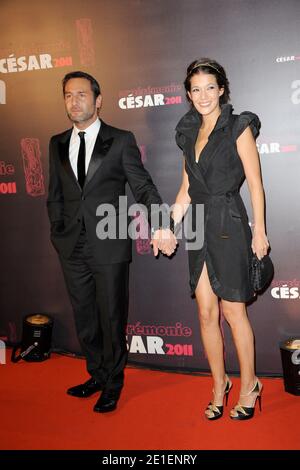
115	161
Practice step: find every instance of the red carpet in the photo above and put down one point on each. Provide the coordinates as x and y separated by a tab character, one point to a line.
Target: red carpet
157	410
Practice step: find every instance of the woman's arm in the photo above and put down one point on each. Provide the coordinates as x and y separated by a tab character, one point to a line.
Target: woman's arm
161	241
247	151
182	199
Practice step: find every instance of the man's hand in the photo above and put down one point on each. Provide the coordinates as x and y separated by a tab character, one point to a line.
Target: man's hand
165	241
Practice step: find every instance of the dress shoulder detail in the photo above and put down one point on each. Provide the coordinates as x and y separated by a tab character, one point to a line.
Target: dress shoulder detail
244	120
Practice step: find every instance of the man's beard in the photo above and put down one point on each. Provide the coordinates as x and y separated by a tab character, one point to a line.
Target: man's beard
81	118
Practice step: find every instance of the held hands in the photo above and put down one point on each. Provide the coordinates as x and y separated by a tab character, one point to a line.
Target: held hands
260	243
165	241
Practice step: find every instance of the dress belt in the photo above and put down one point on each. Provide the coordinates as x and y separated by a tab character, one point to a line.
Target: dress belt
208	199
203	198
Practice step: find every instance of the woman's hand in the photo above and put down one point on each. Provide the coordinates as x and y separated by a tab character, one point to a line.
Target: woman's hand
260	243
165	241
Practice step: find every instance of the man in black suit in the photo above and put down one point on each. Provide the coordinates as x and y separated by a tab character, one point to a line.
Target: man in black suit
90	165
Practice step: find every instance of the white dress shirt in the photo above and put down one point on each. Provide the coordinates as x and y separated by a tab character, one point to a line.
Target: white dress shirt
91	133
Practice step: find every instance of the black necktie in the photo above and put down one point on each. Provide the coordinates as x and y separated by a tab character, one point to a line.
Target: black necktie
81	160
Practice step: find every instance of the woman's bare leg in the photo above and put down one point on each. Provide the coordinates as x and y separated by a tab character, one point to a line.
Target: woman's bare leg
236	315
209	317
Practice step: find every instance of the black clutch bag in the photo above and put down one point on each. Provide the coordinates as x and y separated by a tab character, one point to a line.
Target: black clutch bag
261	272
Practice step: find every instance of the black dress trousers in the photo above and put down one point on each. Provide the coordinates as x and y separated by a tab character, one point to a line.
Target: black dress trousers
99	297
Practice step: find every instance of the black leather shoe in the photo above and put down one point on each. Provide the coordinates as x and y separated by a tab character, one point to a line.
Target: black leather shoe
85	390
108	401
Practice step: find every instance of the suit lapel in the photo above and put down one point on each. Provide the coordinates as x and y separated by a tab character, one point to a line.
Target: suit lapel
102	146
215	139
190	159
209	152
63	149
189	126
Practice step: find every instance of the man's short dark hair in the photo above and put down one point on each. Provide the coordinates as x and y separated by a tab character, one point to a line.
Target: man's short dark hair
78	74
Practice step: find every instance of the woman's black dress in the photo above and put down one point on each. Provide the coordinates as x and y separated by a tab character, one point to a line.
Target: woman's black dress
215	182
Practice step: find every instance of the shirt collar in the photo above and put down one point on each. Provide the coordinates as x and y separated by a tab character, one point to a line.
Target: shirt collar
92	130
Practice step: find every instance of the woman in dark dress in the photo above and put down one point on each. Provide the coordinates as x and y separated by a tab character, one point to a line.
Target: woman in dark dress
219	153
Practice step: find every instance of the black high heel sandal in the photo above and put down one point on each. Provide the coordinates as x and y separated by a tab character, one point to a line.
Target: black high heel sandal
213	411
241	412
